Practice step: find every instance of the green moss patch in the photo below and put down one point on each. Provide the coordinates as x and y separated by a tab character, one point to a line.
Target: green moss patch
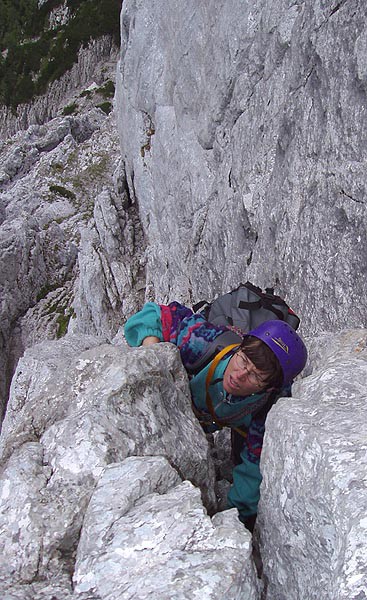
106	107
70	109
45	290
61	191
107	90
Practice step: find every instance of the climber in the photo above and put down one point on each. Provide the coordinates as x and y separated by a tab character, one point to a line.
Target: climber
237	388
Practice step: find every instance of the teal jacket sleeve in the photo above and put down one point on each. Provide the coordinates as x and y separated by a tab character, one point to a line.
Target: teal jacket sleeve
144	323
245	491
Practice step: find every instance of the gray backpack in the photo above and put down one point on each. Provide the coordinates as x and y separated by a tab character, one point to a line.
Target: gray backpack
241	310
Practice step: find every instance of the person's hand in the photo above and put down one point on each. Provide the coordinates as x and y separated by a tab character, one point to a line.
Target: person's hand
150	339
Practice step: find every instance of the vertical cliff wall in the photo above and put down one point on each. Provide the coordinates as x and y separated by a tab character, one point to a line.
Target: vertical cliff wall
243	128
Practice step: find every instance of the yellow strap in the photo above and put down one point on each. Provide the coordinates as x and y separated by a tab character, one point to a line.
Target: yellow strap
209	376
215	361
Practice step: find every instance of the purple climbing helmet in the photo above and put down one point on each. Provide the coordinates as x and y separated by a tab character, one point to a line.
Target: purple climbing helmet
286	344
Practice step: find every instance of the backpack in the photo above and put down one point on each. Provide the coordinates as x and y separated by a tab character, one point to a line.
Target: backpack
241	310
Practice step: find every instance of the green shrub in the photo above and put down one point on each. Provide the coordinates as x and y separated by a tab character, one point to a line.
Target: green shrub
86	93
70	109
106	107
63	323
107	90
58	189
57	167
45	290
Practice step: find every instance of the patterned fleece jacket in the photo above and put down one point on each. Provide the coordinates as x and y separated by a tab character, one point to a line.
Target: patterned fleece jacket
190	332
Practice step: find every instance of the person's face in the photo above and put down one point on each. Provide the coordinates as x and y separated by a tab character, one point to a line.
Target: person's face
241	377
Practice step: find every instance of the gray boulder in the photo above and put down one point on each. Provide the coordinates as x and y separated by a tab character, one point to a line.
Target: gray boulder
146	535
64	394
75	407
312	515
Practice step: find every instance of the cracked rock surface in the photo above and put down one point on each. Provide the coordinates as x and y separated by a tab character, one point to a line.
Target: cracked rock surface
244	140
95	445
71	245
312	514
240	154
159	521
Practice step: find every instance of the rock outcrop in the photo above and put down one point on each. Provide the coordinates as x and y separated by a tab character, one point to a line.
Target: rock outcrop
154	519
73	506
71	245
97	440
244	138
111	263
312	515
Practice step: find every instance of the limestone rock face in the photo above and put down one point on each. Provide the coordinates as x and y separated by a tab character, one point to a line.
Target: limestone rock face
70	504
111	263
71	245
154	519
59	401
244	141
45	204
312	514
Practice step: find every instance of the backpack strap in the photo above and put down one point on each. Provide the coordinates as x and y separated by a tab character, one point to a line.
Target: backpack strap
271	302
250	305
267	303
222	341
220	422
200	305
